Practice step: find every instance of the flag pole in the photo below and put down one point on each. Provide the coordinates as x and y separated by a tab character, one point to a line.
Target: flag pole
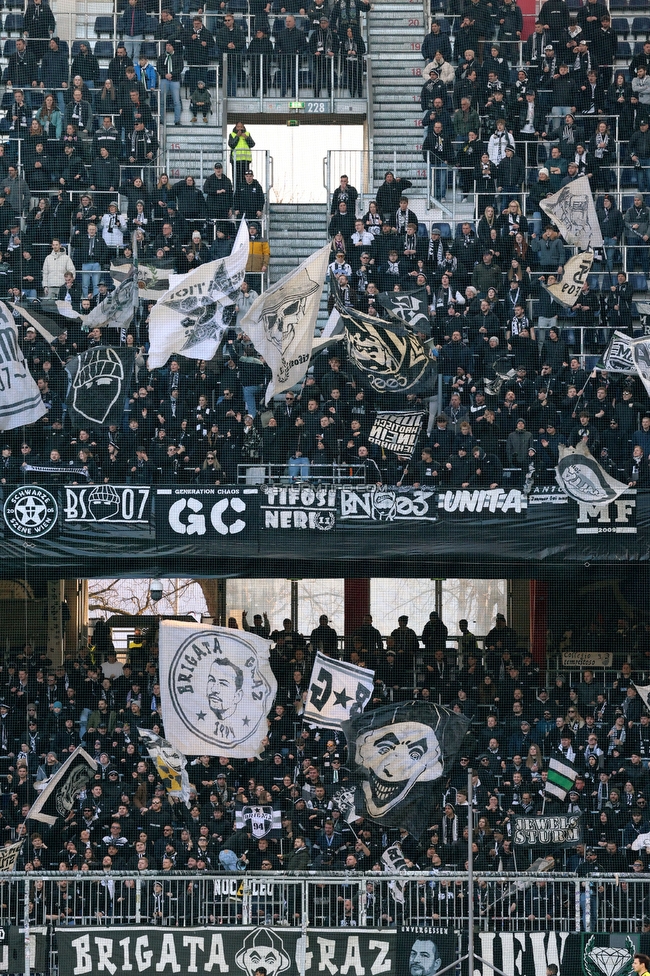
470	874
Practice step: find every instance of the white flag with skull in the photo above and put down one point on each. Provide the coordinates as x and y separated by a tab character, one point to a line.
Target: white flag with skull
573	212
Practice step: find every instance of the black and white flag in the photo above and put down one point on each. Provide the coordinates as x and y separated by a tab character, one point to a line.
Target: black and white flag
338	692
260	818
618	357
99	380
387	358
581	477
576	270
573	211
9	856
397	753
20	398
170	765
394	862
61	791
643	310
281	321
216	688
641	356
408	306
397	431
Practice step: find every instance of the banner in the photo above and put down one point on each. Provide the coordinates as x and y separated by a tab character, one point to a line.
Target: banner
618	357
411	307
643	691
298	507
169	763
561	777
60	792
20	398
100	380
216	687
152	282
9	856
378	504
193	514
641	357
573	212
191	317
483	501
338	692
280	322
567	291
397	431
396	753
587	659
583	479
560	831
261	819
86	504
387	359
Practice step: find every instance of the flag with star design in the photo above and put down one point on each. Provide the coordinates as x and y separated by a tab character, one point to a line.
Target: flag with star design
338	692
216	689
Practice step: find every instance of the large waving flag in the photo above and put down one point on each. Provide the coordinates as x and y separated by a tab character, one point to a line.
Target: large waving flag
561	777
338	691
170	765
61	791
573	211
280	323
583	479
567	291
396	753
100	379
217	688
191	317
20	398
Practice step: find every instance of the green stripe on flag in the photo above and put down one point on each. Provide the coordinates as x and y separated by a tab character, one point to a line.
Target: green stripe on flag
560	776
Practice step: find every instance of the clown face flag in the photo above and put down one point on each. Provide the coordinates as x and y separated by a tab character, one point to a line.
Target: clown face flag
192	316
396	753
386	359
280	323
170	765
60	793
573	212
20	398
100	378
216	689
581	477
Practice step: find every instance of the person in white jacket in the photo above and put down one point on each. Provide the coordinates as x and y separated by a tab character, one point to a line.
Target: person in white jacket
55	266
498	141
114	224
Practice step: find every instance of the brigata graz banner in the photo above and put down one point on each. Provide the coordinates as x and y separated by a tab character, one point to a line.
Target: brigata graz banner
95	530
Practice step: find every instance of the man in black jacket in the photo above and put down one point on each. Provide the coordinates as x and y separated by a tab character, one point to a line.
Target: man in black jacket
510	176
289	43
170	69
90	254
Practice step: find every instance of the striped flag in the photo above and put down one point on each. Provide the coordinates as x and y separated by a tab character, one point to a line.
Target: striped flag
561	777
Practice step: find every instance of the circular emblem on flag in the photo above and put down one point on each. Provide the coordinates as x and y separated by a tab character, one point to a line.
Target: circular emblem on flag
30	511
220	691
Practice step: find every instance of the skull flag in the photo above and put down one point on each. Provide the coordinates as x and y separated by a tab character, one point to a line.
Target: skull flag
100	378
396	753
61	791
281	321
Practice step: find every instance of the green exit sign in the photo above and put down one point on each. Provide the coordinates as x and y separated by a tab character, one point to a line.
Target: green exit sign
292	122
296	104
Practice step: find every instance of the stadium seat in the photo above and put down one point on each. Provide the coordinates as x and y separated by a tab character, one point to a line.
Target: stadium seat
640	25
621	25
422	230
149	49
104	25
76	46
103	49
14	22
445	231
624	51
9	47
460	224
639	282
238	6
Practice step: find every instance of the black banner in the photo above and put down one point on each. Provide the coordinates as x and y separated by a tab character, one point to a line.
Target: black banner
563	830
396	431
100	378
205	514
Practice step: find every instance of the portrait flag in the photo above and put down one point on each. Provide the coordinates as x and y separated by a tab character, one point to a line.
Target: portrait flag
99	380
561	777
191	317
618	357
260	819
573	212
410	307
641	357
338	691
216	689
386	358
398	431
583	479
576	269
396	754
280	323
169	763
20	398
60	792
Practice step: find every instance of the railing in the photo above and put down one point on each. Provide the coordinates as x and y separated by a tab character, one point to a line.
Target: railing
296	76
600	903
301	469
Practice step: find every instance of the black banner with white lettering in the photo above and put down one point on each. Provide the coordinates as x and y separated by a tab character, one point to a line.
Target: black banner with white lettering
205	515
396	431
563	830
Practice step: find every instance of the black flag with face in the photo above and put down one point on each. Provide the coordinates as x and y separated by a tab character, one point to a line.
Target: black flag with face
100	378
396	753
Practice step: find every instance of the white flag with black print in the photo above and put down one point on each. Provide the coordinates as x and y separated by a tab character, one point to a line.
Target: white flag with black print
338	692
192	316
169	763
280	322
216	689
576	269
259	818
584	480
393	861
618	357
398	431
573	212
60	793
641	357
20	398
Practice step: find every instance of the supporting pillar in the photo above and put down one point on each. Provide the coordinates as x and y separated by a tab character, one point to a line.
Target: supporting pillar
356	597
54	621
538	595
